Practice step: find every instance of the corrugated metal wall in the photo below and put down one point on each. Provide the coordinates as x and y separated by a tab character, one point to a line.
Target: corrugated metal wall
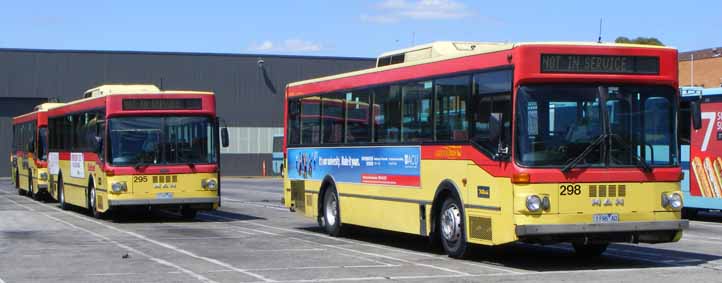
247	96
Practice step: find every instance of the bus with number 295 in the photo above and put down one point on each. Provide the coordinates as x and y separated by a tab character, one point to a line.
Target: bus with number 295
132	145
485	143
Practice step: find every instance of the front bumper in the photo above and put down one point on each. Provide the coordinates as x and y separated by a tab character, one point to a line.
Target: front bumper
590	228
129	202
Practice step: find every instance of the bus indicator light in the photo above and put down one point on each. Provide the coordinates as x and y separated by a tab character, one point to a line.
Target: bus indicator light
521	178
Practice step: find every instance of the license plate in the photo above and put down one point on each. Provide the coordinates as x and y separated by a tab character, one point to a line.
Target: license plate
606	218
164	195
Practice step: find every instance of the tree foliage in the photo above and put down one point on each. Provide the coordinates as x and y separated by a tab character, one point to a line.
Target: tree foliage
639	40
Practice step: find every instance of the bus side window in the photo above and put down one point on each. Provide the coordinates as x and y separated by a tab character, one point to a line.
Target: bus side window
387	114
491	96
333	121
452	95
311	120
294	122
358	115
417	119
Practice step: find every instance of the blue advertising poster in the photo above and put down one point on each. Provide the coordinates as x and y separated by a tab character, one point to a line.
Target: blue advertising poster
393	165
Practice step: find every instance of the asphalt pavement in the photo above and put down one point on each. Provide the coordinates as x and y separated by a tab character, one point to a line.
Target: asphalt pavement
253	238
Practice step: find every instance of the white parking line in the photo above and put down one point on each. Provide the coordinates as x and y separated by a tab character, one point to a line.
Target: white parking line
122	246
259	204
372	245
401	260
162	244
351	250
233	219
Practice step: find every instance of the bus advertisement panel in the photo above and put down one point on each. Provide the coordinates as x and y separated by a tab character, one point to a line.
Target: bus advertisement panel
701	151
397	166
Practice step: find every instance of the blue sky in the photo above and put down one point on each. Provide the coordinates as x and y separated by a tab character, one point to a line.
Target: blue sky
344	28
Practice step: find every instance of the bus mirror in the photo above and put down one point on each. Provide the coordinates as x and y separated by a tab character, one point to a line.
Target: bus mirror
224	137
696	112
495	126
99	146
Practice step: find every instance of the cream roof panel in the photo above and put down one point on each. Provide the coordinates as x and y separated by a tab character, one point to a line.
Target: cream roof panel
445	50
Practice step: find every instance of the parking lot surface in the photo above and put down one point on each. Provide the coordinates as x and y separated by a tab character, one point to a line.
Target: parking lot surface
252	238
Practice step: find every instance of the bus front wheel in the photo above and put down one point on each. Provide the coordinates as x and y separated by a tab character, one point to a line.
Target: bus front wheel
187	212
590	250
331	212
61	194
92	203
451	228
689	213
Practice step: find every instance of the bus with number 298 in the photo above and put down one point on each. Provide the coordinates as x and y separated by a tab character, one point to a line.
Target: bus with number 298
485	143
130	145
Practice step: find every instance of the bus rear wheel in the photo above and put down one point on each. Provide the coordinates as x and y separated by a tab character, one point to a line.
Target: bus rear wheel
331	212
17	183
31	194
451	227
590	250
61	195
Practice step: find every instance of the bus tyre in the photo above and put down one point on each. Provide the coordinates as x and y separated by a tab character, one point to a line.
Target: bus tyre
188	212
589	250
17	183
61	195
451	227
92	203
31	194
331	212
689	213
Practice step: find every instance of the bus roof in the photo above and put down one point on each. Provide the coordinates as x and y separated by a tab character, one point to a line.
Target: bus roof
116	89
39	108
445	50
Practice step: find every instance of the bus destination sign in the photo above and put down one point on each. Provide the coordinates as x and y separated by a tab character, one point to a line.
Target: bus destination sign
599	64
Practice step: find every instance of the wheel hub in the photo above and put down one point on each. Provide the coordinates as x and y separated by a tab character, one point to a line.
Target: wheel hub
451	223
331	211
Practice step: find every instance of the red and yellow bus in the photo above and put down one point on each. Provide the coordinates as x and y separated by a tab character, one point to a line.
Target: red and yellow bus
135	145
29	155
494	143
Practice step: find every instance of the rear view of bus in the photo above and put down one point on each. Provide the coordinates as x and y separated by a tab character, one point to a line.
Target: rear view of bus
126	146
493	143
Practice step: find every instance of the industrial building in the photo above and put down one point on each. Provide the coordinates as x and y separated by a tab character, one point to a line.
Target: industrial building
701	68
249	89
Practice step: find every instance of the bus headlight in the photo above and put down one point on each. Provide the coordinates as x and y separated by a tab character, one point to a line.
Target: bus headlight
210	184
118	187
673	200
533	203
44	176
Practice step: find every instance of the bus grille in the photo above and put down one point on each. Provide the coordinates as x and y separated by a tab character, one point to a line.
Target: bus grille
480	228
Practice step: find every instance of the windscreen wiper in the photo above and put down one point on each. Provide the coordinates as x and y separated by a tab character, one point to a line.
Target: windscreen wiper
638	159
584	153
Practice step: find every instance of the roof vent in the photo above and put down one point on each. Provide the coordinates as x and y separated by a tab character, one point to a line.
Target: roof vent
104	90
433	50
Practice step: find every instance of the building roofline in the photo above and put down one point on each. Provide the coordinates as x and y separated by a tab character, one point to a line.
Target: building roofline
706	53
173	53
